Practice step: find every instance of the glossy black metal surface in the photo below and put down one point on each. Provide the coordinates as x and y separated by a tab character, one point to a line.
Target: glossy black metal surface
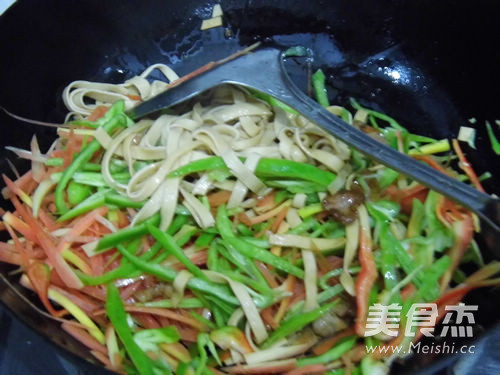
444	53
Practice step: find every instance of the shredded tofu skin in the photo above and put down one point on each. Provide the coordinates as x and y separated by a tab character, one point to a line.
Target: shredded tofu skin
228	122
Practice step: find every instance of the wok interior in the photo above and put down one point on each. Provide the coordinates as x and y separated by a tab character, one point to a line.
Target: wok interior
427	64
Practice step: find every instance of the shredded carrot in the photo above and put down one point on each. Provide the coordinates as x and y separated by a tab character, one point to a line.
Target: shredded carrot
200	257
79	226
161	312
271	280
219	198
356	354
134	97
146	320
20	226
16	190
9	255
432	163
330	342
285	302
85	338
242	217
308	370
279	219
267	316
83	301
98	112
48	220
103	358
466	166
187	334
24	258
267	200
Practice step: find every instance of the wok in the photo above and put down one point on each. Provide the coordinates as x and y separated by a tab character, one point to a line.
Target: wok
432	65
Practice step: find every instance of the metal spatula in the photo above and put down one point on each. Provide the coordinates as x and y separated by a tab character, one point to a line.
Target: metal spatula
263	71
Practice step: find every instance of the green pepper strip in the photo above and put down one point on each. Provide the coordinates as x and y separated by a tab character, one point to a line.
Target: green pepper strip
333	354
129	270
388	264
296	323
118	317
495	144
318	82
245	265
92	202
430	285
204	239
273	101
121	201
113	239
114	119
388	177
125	269
168	242
408	265
168	274
185	303
224	226
265	168
378	115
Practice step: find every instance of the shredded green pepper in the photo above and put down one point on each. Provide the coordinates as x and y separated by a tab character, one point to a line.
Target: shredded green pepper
224	226
116	313
318	82
114	118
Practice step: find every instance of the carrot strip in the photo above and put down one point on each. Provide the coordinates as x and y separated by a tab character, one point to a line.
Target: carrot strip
219	198
187	334
432	163
81	300
134	97
85	338
47	220
267	275
160	312
242	217
365	280
309	370
330	342
267	316
13	221
11	257
98	112
147	320
285	302
279	219
199	258
464	231
103	358
24	257
267	200
466	166
79	226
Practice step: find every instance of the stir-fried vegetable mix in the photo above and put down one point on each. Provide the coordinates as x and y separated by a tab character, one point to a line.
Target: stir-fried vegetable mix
233	236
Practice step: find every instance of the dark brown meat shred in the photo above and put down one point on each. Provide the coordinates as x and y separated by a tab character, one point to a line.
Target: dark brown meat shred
343	206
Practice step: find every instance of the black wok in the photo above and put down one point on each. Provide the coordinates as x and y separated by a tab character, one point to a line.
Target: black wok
445	55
